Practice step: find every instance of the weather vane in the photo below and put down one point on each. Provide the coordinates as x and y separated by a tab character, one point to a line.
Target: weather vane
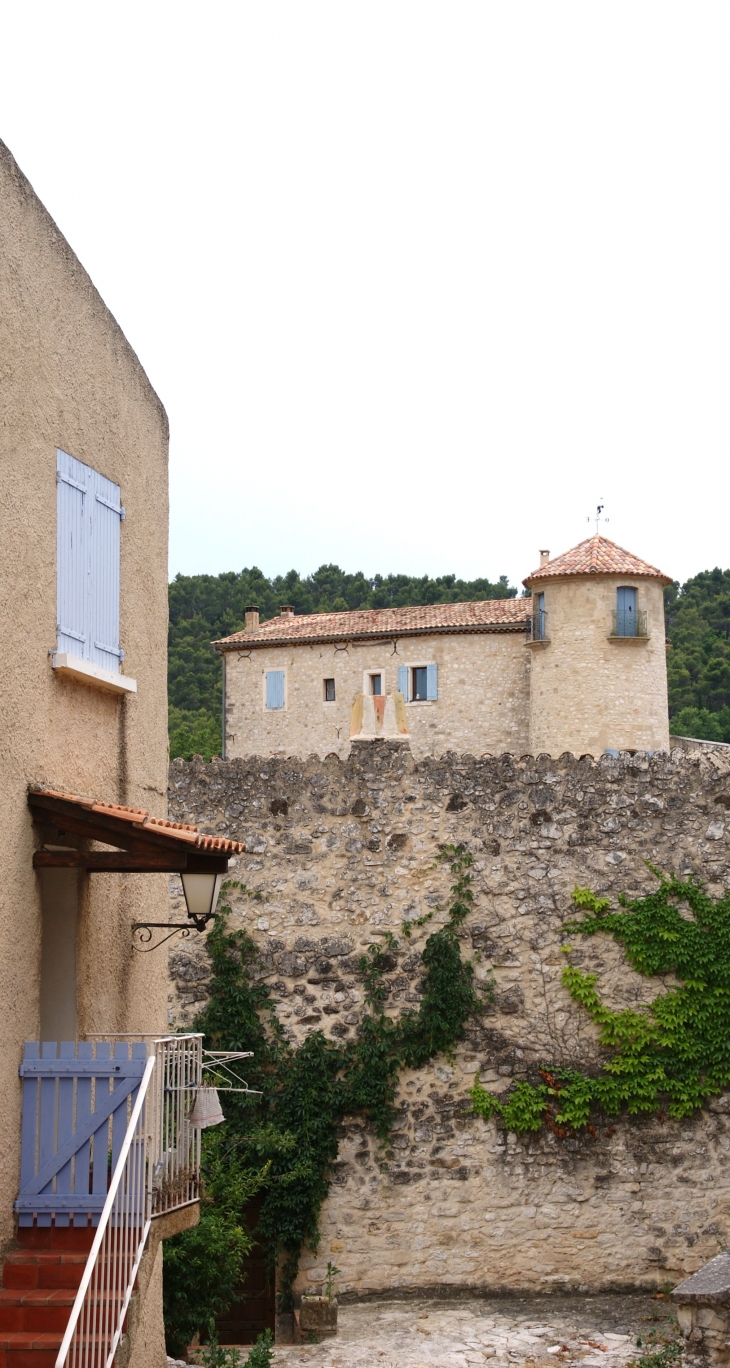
597	518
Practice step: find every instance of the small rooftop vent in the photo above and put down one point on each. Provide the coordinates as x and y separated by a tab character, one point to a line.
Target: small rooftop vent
286	610
544	558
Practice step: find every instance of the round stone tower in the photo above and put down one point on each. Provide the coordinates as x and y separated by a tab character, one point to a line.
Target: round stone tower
598	677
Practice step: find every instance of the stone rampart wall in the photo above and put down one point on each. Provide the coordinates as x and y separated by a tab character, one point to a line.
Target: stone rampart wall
344	850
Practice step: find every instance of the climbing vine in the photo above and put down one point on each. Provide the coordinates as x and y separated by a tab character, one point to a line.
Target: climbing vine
669	1057
306	1090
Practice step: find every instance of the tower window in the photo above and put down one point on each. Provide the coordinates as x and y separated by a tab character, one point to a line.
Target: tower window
626	612
329	690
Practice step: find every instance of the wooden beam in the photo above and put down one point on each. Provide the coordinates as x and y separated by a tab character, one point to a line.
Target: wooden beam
124	861
110	861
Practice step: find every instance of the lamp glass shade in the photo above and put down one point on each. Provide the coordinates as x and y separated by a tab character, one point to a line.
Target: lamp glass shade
201	893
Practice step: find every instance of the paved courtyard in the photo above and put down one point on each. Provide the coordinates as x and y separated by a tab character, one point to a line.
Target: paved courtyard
540	1332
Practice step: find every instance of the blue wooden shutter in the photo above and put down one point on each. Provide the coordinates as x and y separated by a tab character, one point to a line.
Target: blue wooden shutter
105	515
432	685
403	680
72	556
87	553
274	688
626	612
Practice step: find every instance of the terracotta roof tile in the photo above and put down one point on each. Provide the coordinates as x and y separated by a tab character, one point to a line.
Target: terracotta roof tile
487	615
140	818
597	556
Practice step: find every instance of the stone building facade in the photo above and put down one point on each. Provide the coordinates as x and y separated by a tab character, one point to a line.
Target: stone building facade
343	851
578	665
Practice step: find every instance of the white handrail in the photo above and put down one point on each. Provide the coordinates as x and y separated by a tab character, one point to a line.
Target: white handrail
99	1324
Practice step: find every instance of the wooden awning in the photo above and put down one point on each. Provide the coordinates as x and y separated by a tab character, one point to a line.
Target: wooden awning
144	844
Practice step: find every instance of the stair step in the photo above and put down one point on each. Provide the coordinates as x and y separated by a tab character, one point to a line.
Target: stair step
70	1239
52	1269
26	1350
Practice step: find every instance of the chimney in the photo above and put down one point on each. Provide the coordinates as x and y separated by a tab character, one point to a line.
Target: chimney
286	610
251	618
544	558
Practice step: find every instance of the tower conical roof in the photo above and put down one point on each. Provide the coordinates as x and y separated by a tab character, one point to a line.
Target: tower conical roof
596	556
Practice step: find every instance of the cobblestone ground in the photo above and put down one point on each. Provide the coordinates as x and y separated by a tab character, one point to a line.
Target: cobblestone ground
540	1332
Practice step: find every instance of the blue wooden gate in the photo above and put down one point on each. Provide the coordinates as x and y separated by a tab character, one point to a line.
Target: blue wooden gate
75	1114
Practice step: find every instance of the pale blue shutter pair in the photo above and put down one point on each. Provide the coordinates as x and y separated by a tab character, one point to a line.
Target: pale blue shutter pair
274	688
432	688
89	513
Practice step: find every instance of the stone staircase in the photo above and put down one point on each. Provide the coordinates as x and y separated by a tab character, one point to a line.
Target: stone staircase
40	1278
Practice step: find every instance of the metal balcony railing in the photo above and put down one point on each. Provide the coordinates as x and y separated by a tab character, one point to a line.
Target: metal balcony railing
538	626
107	1139
629	623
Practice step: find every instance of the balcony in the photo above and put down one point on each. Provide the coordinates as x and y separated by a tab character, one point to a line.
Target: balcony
629	625
537	630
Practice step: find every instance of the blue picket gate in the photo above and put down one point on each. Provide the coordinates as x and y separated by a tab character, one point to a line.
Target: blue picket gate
76	1105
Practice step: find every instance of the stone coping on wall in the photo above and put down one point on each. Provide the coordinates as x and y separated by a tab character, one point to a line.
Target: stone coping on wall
710	1285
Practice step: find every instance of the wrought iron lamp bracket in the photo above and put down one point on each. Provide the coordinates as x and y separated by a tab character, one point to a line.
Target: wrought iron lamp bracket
145	929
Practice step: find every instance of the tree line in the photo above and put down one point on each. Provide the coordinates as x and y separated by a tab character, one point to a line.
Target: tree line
206	607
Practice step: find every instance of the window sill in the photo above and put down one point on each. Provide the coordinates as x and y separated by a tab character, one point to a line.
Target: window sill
538	644
71	667
419	702
630	640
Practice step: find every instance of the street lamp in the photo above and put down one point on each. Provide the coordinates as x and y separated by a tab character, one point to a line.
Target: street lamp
201	895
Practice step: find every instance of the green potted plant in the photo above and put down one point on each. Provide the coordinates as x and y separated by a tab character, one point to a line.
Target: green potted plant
318	1314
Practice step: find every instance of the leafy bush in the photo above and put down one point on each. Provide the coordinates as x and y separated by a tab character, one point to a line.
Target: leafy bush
202	1266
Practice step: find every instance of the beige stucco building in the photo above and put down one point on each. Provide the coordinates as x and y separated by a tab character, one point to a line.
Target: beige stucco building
83	697
579	666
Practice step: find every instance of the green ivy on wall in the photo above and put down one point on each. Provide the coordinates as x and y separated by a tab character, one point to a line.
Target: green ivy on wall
671	1056
307	1090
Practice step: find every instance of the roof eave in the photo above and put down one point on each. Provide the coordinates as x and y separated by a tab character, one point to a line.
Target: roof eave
325	639
540	578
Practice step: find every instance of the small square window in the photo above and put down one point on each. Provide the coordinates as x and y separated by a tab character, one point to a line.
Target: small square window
376	685
419	684
329	690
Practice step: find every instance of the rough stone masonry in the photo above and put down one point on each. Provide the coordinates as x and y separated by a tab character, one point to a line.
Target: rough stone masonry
342	851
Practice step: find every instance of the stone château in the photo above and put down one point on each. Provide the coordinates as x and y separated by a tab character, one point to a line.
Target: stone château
577	665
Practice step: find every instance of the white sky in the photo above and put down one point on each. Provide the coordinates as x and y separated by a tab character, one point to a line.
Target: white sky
417	282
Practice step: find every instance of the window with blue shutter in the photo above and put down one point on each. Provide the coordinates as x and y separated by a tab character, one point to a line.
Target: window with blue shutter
274	689
403	680
89	514
432	685
626	612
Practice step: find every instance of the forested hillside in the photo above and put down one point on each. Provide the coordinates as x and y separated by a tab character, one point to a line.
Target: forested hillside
698	663
204	607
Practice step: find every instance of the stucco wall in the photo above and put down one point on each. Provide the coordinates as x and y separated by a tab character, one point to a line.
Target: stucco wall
459	1201
483	687
590	693
70	380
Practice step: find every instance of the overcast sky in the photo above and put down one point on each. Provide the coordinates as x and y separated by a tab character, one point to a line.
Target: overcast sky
416	282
